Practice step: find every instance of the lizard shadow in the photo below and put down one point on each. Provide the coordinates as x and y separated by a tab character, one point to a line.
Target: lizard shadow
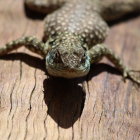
64	98
28	59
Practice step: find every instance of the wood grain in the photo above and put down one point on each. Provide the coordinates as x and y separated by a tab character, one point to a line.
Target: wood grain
97	107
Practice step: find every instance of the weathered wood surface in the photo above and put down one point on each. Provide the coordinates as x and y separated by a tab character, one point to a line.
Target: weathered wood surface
34	106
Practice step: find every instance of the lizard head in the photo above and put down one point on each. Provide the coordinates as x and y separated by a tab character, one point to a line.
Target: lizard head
68	58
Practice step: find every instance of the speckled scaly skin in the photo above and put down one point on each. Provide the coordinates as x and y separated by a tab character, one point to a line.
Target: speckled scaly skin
74	34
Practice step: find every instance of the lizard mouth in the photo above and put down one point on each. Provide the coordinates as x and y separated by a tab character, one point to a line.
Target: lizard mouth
58	69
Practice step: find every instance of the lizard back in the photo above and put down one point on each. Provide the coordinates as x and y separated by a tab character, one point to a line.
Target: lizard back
81	18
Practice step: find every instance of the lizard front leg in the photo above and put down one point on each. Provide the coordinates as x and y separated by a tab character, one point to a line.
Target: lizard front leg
29	42
100	50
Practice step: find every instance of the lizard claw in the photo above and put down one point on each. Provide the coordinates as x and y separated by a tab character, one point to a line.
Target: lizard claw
125	75
134	75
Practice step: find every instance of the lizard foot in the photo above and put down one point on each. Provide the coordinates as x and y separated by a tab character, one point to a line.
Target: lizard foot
134	75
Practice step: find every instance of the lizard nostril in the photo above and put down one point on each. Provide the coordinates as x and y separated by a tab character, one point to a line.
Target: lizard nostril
75	53
65	54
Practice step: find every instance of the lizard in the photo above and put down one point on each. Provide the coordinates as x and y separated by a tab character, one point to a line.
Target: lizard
74	34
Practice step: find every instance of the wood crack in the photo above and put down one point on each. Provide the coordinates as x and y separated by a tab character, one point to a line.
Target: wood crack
30	107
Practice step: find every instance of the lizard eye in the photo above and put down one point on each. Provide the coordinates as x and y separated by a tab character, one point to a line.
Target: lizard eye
57	58
56	54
